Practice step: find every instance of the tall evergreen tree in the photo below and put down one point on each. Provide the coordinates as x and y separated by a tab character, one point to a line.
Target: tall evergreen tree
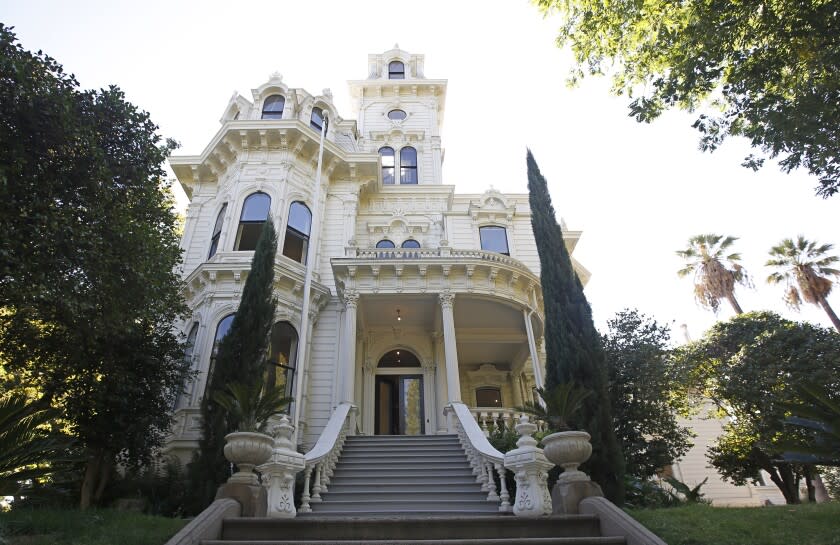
573	347
241	357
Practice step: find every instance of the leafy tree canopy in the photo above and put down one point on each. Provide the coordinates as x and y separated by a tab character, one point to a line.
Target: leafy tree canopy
763	70
645	393
89	286
751	366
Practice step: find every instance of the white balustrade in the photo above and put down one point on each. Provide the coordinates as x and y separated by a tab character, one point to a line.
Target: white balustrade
427	253
483	457
321	460
490	419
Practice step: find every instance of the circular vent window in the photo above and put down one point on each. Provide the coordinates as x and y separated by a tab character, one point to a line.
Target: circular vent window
397	115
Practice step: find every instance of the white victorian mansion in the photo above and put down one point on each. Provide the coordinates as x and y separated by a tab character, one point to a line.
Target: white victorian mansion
420	296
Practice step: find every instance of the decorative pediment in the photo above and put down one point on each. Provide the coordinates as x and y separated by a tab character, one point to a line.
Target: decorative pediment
487	373
399	224
238	108
396	137
273	85
492	206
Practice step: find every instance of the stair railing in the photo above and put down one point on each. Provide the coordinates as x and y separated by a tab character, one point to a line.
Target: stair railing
323	457
483	457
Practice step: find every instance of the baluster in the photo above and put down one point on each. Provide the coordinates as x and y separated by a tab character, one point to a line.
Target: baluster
484	424
325	479
304	497
506	417
504	507
491	483
316	486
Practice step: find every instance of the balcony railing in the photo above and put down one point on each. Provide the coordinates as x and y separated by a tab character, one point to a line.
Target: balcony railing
430	253
493	418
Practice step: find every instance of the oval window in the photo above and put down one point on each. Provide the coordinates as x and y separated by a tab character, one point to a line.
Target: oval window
397	115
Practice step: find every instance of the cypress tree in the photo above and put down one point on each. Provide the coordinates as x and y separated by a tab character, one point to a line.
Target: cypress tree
241	357
573	347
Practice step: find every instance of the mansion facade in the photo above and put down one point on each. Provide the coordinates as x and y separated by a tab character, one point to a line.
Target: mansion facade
419	296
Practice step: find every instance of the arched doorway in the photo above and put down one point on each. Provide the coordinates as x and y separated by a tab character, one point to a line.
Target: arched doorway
399	395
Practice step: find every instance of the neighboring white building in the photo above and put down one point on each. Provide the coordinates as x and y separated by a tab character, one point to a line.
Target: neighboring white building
421	296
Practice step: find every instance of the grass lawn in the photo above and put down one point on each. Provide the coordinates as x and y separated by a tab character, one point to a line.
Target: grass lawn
93	527
776	525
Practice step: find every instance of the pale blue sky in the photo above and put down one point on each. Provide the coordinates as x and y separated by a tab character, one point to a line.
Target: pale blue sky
637	192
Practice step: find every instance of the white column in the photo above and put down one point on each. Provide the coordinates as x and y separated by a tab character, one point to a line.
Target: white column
351	299
450	348
532	347
516	383
368	397
440	381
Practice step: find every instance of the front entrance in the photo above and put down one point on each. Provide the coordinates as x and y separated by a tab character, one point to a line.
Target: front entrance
399	405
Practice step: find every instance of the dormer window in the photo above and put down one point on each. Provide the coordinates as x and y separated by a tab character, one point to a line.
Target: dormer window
396	70
397	115
273	107
494	239
387	156
316	120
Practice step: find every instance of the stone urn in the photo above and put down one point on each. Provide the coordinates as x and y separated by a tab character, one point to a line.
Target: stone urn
568	449
247	450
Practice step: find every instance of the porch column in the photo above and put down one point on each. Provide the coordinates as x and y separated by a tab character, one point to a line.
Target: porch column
532	347
351	299
440	381
516	380
450	349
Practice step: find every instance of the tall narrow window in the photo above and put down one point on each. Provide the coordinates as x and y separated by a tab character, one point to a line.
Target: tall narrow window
221	332
254	213
280	372
273	107
387	156
385	244
316	120
217	232
494	239
182	399
396	70
410	243
298	227
408	165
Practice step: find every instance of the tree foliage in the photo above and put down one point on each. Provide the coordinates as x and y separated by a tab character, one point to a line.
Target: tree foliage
241	358
646	393
764	70
751	366
574	354
89	287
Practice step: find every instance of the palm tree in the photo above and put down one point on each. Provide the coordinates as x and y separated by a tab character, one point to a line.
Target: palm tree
805	268
713	281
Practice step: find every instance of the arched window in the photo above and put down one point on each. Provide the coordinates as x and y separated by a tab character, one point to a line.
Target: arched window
408	165
316	120
273	107
396	70
399	358
387	156
280	373
254	213
296	244
494	239
217	232
385	244
397	115
410	243
182	398
221	332
488	397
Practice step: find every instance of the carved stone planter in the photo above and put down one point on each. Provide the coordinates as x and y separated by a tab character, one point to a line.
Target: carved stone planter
247	450
568	449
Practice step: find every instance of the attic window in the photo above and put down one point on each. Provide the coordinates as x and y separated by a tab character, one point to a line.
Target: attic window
396	70
316	120
397	115
273	107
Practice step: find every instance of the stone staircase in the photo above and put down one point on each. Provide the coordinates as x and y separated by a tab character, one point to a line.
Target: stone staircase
402	490
399	474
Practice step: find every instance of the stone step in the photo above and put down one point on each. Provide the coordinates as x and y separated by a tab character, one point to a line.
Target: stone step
459	476
403	458
404	495
393	505
405	464
489	541
420	450
425	525
421	486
